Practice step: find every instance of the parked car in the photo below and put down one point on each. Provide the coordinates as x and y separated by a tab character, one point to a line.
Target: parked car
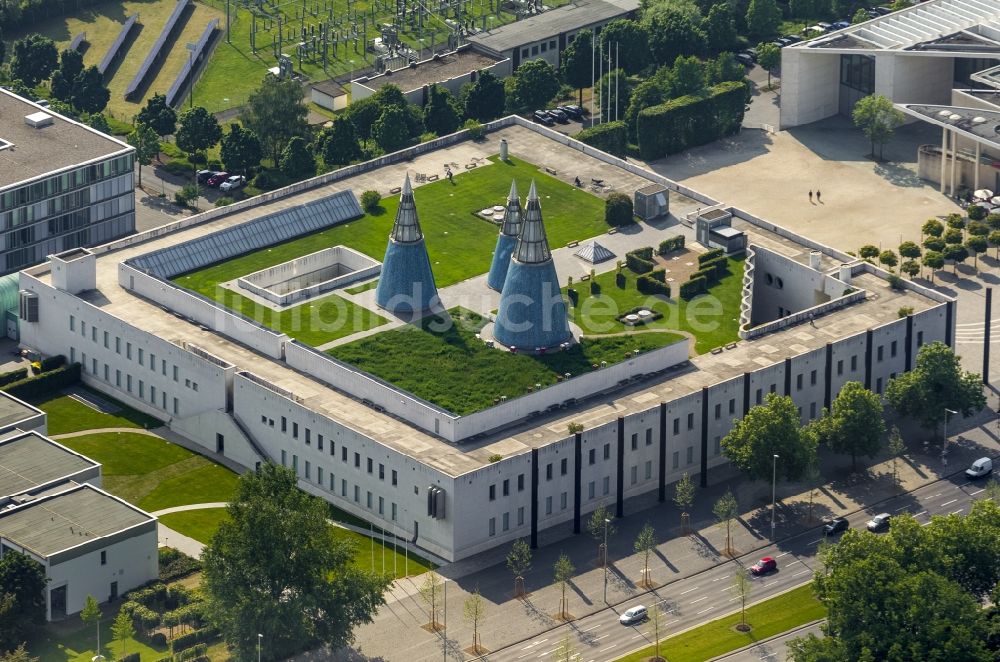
204	175
542	117
217	179
558	115
572	110
232	183
764	566
636	614
826	26
809	30
744	59
879	522
835	526
840	25
792	39
882	11
781	42
980	468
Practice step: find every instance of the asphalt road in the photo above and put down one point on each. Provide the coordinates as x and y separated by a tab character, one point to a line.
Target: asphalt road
708	595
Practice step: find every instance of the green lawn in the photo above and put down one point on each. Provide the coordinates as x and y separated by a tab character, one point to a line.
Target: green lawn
468	375
68	415
768	618
153	473
358	289
202	525
712	318
460	245
78	646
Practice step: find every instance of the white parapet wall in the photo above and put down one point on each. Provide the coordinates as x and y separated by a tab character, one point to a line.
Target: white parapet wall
310	275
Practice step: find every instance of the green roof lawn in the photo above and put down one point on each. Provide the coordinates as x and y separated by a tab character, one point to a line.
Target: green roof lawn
468	376
66	414
460	244
712	318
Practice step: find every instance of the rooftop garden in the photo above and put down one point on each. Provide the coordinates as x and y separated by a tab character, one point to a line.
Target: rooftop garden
468	376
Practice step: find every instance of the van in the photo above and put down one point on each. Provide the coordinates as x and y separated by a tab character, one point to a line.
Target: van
980	468
636	614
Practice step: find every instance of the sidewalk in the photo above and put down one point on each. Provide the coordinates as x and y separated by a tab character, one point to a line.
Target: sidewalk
509	621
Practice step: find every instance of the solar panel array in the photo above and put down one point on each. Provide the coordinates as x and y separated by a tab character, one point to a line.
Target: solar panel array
187	70
156	51
112	53
250	236
77	40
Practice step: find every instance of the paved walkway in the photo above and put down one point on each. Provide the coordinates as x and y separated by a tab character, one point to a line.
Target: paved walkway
84	433
190	506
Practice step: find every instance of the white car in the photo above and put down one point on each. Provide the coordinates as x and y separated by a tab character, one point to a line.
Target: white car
232	183
879	522
636	614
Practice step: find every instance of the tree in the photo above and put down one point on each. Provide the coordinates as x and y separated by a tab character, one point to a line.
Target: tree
34	59
684	497
647	93
440	116
763	19
768	57
953	236
535	83
485	99
673	33
147	145
813	477
994	240
645	543
896	449
274	567
932	227
626	45
720	28
933	260
390	130
601	528
198	130
802	8
90	94
726	509
364	112
22	598
276	114
687	76
19	654
618	210
725	67
240	150
100	122
936	244
430	592
766	430
993	220
860	16
338	143
562	573
854	424
936	383
657	624
878	119
576	64
474	611
888	258
868	252
519	564
70	66
909	249
957	253
741	587
614	91
911	268
975	245
157	114
122	628
978	229
91	614
297	161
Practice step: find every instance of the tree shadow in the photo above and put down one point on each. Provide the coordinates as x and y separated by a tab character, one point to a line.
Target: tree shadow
899	175
532	612
704	548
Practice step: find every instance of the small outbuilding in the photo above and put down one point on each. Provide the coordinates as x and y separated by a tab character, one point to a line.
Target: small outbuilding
593	252
652	202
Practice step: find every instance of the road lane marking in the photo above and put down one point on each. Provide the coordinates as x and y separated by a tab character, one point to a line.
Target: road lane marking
592	627
948	503
801	572
814	542
925	524
704	597
782	554
934	496
718	579
608	648
704	610
689	590
955	512
602	636
977	492
903	508
793	563
922	512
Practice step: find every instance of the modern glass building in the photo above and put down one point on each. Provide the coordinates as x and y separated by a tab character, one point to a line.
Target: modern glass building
62	184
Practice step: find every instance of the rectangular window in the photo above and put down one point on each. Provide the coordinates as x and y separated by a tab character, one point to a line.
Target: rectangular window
759	396
152	362
879	352
548	505
295	463
308	472
520	516
920	338
649	436
563	466
812	410
592	456
534	50
319	475
892	349
506	487
690	421
83	328
732	405
381	471
878	385
357	494
606	487
175	373
357	460
649	469
718	410
635	441
798	382
545	47
142	389
548	471
677	426
368	500
718	445
493	526
343	454
634	473
493	492
106	337
607	451
284	424
812	378
141	356
308	437
394	477
295	430
393	511
104	557
690	454
381	506
128	383
562	501
343	488
128	351
118	378
284	457
319	443
520	482
505	521
176	407
118	345
93	333
854	363
591	489
72	323
840	366
677	459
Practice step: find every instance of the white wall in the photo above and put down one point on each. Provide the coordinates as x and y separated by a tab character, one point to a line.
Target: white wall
913	78
810	86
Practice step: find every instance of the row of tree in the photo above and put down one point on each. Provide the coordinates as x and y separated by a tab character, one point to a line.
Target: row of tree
35	59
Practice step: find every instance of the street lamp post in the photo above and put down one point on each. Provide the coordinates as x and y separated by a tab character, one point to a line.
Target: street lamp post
190	49
606	522
98	657
260	638
774	477
944	443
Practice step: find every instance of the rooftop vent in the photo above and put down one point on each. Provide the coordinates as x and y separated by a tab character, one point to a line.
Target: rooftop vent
954	117
944	113
38	120
978	120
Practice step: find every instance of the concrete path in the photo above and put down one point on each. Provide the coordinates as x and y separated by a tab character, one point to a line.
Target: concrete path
191	506
84	433
167	537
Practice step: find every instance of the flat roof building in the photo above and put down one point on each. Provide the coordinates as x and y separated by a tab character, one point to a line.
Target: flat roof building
62	184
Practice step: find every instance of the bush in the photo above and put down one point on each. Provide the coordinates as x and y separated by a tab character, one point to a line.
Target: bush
197	158
610	137
175	564
193	653
370	200
646	253
192	639
671	244
46	383
131	657
693	288
13	376
710	275
224	201
690	121
618	210
475	129
895	282
720	265
659	274
640	260
53	362
264	180
158	639
710	255
648	284
976	212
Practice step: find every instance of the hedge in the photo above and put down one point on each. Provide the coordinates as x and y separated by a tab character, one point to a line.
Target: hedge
709	274
175	564
45	383
658	274
192	653
610	137
708	256
192	638
13	376
671	244
693	287
647	284
131	657
690	121
640	260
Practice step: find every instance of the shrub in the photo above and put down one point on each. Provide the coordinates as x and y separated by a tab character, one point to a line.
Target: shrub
158	639
370	200
45	383
710	275
895	282
904	311
710	255
197	158
223	201
175	564
264	181
131	657
195	652
693	287
13	376
496	457
475	129
690	121
610	137
659	274
637	262
671	244
53	362
192	639
618	210
646	252
976	212
647	284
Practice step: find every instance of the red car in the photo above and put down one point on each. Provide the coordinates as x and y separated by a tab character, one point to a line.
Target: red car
217	179
764	566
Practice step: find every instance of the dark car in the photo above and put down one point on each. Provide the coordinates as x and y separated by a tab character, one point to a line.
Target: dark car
572	110
558	115
840	25
744	59
752	52
217	179
542	117
792	39
204	175
835	526
764	566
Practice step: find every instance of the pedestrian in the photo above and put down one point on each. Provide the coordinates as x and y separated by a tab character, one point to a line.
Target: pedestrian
817	197
810	196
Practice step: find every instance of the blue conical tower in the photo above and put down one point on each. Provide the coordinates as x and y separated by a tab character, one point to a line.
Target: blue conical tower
532	313
507	240
406	284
